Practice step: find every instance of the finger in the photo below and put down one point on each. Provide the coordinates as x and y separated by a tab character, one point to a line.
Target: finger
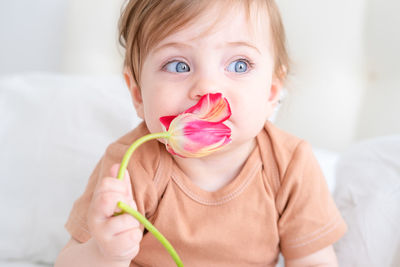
122	223
131	236
126	180
124	245
128	239
104	204
114	170
110	184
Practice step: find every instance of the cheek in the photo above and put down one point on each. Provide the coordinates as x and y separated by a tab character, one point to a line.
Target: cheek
251	104
153	109
250	112
253	114
158	102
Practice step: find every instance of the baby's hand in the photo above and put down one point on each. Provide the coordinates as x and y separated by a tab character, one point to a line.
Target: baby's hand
117	237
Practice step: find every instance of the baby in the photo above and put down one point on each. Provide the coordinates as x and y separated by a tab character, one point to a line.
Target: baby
261	195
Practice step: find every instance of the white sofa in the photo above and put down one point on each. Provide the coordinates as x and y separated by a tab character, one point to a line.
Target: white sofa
55	127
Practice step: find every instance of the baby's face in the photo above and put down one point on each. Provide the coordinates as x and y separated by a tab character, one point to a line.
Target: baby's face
233	57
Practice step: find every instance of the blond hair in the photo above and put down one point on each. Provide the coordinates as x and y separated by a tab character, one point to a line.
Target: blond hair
144	23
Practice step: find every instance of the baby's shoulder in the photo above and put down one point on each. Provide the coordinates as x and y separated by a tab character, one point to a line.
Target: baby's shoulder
285	147
282	142
117	148
128	138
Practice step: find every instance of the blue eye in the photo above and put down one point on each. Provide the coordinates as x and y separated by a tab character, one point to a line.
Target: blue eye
177	66
239	66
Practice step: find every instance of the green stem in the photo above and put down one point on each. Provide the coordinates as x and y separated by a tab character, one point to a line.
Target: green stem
126	208
132	148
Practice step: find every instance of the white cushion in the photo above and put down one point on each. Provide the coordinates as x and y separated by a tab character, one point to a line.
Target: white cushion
368	196
54	128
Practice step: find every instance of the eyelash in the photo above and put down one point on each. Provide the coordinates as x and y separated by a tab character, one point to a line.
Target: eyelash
249	63
164	66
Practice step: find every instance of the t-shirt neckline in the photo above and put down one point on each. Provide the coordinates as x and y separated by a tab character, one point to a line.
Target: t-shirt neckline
227	192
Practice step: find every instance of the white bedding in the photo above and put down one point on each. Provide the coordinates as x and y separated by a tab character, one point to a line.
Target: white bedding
368	195
12	263
53	130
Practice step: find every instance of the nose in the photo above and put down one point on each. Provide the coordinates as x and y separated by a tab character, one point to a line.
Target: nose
205	84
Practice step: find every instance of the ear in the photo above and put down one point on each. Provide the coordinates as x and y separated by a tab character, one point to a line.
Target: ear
275	92
135	92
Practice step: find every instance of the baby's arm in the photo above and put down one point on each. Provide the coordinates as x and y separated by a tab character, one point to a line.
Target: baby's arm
114	239
325	257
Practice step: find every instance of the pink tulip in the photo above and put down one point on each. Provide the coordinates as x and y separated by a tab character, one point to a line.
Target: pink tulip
199	130
196	132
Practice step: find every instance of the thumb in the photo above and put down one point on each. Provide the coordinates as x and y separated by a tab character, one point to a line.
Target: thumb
126	180
115	169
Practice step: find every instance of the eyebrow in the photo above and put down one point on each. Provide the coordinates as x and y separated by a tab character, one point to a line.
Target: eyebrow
174	45
243	43
186	46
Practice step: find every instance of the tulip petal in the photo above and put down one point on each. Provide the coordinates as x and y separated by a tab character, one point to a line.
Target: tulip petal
211	107
199	130
204	133
191	137
166	121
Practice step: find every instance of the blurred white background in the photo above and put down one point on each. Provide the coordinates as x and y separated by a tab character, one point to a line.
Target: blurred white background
63	100
345	81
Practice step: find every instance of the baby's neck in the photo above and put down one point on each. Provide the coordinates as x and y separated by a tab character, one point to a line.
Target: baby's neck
217	170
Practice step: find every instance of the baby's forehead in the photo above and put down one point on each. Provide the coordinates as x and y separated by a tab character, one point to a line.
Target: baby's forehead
229	24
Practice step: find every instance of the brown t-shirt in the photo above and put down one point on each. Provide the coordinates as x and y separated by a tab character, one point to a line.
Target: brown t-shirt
278	202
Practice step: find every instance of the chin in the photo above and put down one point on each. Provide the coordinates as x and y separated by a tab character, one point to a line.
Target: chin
237	145
244	134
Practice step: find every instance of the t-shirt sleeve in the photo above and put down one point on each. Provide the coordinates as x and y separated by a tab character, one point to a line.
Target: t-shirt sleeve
309	219
142	169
